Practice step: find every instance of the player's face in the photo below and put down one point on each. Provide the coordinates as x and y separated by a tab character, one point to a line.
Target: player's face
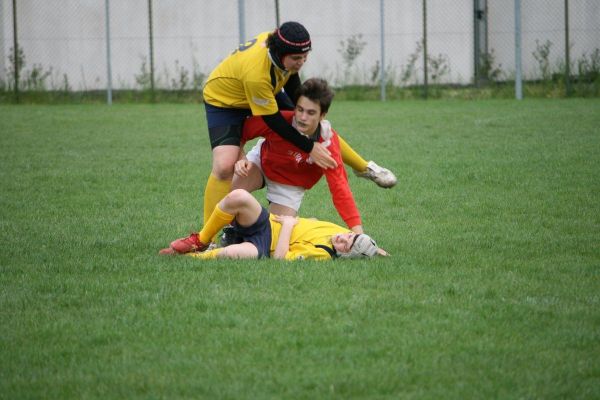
308	115
343	242
294	62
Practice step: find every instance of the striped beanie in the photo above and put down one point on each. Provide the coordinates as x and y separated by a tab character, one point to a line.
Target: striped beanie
291	38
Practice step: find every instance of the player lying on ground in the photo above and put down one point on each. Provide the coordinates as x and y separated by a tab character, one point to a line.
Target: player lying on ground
260	234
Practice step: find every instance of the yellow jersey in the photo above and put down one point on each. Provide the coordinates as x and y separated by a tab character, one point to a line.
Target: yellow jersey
311	239
247	79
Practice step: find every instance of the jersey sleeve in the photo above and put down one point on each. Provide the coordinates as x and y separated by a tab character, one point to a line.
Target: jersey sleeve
260	98
291	87
254	127
337	180
257	127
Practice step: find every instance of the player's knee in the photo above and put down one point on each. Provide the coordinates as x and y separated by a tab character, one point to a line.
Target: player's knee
238	197
223	169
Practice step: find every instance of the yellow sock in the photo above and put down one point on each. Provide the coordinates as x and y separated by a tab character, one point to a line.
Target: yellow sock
206	255
217	220
352	158
214	192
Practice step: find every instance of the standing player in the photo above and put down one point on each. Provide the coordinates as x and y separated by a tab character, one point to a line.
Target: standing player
246	83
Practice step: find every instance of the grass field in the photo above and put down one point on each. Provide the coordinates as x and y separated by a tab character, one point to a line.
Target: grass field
493	289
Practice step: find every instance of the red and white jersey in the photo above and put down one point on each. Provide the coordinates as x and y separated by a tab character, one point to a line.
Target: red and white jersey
284	163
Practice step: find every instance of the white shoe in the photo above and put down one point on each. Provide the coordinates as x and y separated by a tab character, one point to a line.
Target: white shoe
383	177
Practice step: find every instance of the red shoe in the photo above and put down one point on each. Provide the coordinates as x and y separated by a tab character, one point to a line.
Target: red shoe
189	244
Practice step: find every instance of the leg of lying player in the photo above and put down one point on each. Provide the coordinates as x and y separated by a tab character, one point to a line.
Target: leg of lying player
238	205
250	219
248	176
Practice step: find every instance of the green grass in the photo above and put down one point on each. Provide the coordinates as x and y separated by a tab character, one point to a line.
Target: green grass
493	289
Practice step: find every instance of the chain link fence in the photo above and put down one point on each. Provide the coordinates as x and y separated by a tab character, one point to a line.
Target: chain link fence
148	45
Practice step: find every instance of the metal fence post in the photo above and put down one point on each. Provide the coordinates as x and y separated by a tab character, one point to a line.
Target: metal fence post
108	60
518	61
15	51
382	40
277	13
425	84
242	20
3	71
480	41
151	44
567	51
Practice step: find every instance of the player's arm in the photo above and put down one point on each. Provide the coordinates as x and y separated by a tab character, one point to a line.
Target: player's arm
357	229
264	107
339	187
291	87
283	242
343	200
254	127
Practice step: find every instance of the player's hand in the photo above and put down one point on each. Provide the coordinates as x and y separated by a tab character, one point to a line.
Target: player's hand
382	252
286	220
357	229
322	157
242	167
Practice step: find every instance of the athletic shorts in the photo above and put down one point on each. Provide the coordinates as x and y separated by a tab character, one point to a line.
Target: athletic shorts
259	234
279	193
225	124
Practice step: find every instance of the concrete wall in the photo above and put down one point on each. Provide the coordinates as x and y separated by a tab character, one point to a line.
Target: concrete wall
69	36
543	21
3	52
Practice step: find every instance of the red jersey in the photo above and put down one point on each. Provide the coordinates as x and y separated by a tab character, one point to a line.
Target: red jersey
284	163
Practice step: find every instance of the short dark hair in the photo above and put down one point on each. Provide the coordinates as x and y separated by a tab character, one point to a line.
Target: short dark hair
317	90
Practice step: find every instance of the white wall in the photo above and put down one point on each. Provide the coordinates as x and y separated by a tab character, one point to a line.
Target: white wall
542	21
3	52
69	35
450	33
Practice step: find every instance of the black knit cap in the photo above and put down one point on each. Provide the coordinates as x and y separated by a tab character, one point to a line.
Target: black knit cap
291	38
